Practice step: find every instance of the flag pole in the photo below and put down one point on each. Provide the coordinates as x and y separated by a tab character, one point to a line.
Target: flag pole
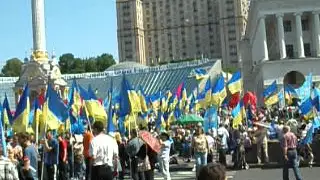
45	130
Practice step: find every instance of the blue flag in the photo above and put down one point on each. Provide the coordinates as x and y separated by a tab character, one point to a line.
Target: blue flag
210	119
309	137
110	125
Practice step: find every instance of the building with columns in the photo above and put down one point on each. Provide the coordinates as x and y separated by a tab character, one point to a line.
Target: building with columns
282	43
158	31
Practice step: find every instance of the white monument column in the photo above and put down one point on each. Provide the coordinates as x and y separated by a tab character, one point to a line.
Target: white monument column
38	27
300	45
262	29
281	41
317	32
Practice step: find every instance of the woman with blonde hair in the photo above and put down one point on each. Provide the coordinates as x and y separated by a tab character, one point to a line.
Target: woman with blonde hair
200	147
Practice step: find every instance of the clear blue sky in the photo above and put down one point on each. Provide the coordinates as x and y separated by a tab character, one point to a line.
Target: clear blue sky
82	27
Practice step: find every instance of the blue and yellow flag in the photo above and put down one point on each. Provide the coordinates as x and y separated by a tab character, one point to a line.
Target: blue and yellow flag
219	92
75	102
289	94
235	83
133	99
21	117
55	112
270	90
7	116
306	109
237	116
200	73
143	102
93	107
271	100
36	115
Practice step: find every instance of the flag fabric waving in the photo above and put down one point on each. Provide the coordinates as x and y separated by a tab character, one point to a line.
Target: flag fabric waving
219	92
21	117
270	90
235	83
237	116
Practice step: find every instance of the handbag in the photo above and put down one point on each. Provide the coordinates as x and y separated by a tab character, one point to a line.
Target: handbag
144	164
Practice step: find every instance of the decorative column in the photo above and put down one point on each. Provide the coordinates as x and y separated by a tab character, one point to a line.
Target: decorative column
281	41
300	45
38	27
316	32
262	29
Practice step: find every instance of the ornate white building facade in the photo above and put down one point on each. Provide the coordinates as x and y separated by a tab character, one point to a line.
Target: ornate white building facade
282	43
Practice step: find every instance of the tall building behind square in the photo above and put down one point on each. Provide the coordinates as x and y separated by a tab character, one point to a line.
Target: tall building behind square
159	31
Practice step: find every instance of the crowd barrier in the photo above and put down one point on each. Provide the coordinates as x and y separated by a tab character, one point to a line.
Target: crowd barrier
276	155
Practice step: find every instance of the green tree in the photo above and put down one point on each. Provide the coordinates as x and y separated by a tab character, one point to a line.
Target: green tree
104	61
90	65
12	68
78	66
66	61
70	64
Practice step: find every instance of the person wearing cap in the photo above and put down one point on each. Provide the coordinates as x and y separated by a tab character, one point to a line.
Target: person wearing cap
8	170
200	147
164	155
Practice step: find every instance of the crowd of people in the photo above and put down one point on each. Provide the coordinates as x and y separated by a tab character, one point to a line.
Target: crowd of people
96	155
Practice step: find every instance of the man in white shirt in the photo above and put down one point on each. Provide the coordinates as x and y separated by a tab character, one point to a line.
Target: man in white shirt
104	153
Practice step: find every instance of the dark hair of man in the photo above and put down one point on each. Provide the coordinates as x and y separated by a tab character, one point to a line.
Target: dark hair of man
134	133
212	171
25	136
98	126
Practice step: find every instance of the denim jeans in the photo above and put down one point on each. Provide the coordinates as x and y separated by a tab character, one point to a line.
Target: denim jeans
201	160
292	162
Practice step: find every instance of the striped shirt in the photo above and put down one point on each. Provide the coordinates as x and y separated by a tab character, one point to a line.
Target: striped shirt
289	141
8	171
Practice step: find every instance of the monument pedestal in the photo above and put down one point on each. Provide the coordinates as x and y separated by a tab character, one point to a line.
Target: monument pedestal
38	75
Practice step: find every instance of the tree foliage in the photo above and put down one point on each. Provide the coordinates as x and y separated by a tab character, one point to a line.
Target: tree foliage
12	68
70	64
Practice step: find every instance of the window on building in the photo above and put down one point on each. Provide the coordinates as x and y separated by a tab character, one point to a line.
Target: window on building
287	26
289	49
305	24
233	53
307	50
